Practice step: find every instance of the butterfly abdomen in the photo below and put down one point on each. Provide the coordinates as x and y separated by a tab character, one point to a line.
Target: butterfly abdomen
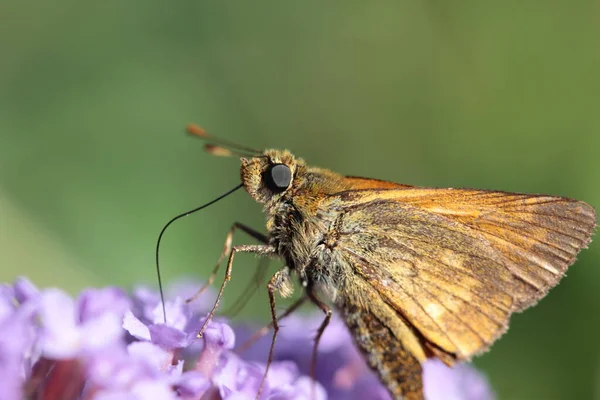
397	368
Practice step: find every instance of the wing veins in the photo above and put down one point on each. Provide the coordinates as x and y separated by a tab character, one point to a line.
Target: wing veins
440	244
532	238
547	228
452	312
513	272
455	314
536	200
491	194
491	317
507	264
387	301
551	230
423	287
563	217
453	268
508	199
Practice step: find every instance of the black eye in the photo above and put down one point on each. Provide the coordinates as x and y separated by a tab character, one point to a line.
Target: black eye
278	177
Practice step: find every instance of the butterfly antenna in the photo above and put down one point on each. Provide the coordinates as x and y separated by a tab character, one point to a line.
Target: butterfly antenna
221	147
185	214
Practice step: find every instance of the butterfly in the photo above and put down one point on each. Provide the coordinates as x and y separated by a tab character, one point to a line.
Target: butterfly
415	272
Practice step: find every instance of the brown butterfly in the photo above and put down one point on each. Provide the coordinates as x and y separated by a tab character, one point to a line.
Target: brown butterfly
415	272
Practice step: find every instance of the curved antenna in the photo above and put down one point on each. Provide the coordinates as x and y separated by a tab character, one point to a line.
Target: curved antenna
185	214
195	130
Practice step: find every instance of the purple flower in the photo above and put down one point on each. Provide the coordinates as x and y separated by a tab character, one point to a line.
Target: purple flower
217	338
110	346
343	372
148	308
16	343
458	383
68	331
177	332
7	306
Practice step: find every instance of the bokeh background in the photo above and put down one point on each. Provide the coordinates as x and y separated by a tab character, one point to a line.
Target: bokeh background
93	160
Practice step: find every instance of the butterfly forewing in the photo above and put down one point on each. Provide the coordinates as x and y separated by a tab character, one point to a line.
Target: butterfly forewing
455	263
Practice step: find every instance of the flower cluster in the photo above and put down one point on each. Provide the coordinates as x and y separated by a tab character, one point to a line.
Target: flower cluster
108	345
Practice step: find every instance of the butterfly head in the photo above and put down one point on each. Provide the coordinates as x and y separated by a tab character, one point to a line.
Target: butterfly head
266	175
269	176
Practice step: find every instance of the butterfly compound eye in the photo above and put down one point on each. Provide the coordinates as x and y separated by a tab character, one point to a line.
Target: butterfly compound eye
278	177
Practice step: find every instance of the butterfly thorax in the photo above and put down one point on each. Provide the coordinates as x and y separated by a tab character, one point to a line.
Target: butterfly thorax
298	227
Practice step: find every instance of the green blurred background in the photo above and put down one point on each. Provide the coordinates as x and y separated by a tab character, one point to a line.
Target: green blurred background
93	159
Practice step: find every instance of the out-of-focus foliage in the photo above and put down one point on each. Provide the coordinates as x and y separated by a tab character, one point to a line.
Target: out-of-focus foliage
94	97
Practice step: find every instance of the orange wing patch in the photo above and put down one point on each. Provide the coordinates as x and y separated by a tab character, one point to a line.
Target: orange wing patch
356	182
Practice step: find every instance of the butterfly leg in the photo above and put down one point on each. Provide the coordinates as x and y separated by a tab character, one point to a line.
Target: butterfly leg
226	249
265	329
259	249
278	281
313	360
